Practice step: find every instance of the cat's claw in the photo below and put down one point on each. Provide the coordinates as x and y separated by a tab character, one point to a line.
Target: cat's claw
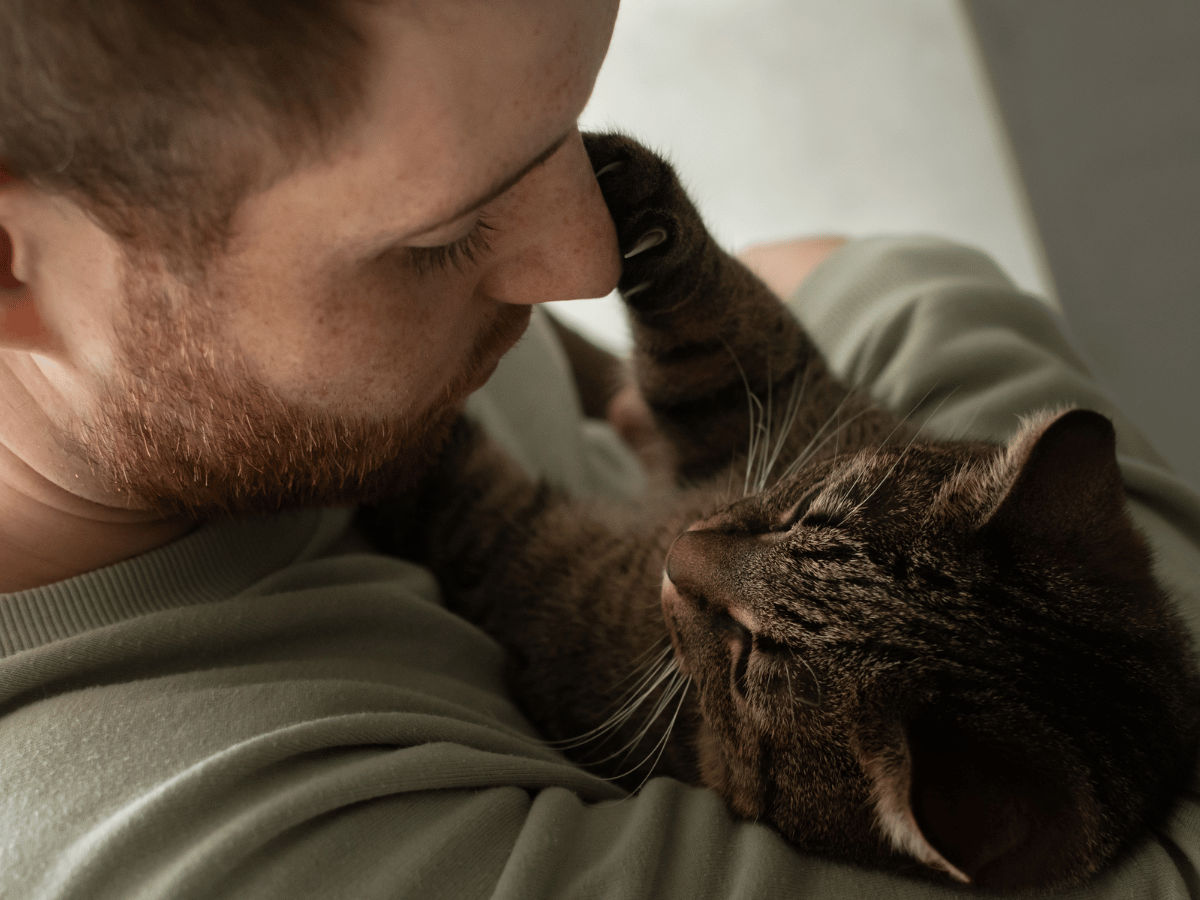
651	212
616	166
651	238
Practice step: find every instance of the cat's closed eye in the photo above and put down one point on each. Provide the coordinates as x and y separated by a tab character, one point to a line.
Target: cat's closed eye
822	520
797	511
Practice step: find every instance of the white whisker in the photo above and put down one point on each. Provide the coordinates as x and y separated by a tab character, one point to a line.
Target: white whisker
751	401
642	663
785	429
899	459
676	684
663	668
810	451
661	746
816	682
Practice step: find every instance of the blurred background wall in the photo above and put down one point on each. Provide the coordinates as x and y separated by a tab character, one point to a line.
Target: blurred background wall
1062	137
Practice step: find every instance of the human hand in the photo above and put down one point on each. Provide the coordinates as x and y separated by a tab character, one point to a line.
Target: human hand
784	265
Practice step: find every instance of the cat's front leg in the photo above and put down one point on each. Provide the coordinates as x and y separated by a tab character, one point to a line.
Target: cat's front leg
716	353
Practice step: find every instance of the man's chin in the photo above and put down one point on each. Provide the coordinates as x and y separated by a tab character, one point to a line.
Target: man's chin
266	465
184	437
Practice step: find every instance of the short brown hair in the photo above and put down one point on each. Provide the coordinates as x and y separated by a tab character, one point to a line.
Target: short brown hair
158	116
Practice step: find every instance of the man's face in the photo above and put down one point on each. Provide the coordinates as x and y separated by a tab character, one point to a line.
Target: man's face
364	297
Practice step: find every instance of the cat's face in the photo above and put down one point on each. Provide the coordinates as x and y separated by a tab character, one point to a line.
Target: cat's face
892	662
788	608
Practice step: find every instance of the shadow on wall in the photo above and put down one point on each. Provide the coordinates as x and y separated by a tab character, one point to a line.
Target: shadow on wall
801	117
1101	100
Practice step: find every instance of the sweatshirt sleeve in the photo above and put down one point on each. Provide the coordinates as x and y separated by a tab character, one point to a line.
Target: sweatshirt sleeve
326	729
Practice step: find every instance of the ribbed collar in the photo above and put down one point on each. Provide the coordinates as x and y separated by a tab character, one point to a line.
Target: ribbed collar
212	563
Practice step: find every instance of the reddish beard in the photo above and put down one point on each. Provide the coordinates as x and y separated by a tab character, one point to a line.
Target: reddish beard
184	428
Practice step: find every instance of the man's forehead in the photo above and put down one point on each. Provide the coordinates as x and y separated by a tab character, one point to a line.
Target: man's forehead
451	117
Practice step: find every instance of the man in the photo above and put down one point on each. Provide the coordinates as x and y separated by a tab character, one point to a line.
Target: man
328	320
255	260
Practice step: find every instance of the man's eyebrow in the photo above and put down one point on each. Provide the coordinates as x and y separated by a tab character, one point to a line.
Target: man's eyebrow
502	185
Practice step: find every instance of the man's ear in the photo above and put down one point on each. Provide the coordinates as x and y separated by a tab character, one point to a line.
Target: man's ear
21	322
8	281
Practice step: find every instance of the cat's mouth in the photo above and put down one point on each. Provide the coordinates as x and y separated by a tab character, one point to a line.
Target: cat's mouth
673	606
697	596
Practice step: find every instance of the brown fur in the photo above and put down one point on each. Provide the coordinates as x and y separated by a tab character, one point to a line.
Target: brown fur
941	656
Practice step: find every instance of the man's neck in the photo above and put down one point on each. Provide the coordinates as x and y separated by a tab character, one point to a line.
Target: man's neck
49	532
48	536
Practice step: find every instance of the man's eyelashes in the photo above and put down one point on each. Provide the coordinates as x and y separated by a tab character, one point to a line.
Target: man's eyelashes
457	255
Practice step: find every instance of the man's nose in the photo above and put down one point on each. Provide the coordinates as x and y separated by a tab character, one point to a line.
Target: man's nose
557	240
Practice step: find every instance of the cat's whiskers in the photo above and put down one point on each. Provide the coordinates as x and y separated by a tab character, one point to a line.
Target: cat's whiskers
678	683
876	450
662	669
782	432
758	452
816	683
899	459
766	424
682	685
664	666
786	667
755	412
757	436
810	450
641	662
813	448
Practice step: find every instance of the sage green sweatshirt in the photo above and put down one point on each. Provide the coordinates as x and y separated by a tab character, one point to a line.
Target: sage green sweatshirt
262	709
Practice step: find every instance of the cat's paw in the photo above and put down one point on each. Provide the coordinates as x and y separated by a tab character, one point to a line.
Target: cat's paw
659	231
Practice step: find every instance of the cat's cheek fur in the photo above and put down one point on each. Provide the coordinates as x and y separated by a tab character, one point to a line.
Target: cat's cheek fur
728	742
739	768
673	607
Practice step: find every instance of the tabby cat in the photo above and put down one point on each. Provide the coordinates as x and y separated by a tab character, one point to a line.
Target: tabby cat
946	657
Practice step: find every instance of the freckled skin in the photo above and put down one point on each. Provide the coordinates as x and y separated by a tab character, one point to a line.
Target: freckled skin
898	651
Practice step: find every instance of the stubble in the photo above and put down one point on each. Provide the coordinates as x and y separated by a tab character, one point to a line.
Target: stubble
184	427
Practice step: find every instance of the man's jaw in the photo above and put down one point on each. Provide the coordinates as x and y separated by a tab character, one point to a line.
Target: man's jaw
223	445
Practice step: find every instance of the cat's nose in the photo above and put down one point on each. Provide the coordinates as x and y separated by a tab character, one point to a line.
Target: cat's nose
710	568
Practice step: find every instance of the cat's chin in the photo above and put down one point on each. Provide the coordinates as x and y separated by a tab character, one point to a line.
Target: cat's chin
709	760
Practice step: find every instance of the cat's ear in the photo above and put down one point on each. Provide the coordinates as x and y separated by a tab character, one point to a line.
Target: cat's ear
1065	499
884	756
985	815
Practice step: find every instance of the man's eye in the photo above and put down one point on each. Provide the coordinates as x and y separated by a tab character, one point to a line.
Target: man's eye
458	255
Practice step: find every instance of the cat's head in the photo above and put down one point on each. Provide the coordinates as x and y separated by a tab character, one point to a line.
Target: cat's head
951	654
